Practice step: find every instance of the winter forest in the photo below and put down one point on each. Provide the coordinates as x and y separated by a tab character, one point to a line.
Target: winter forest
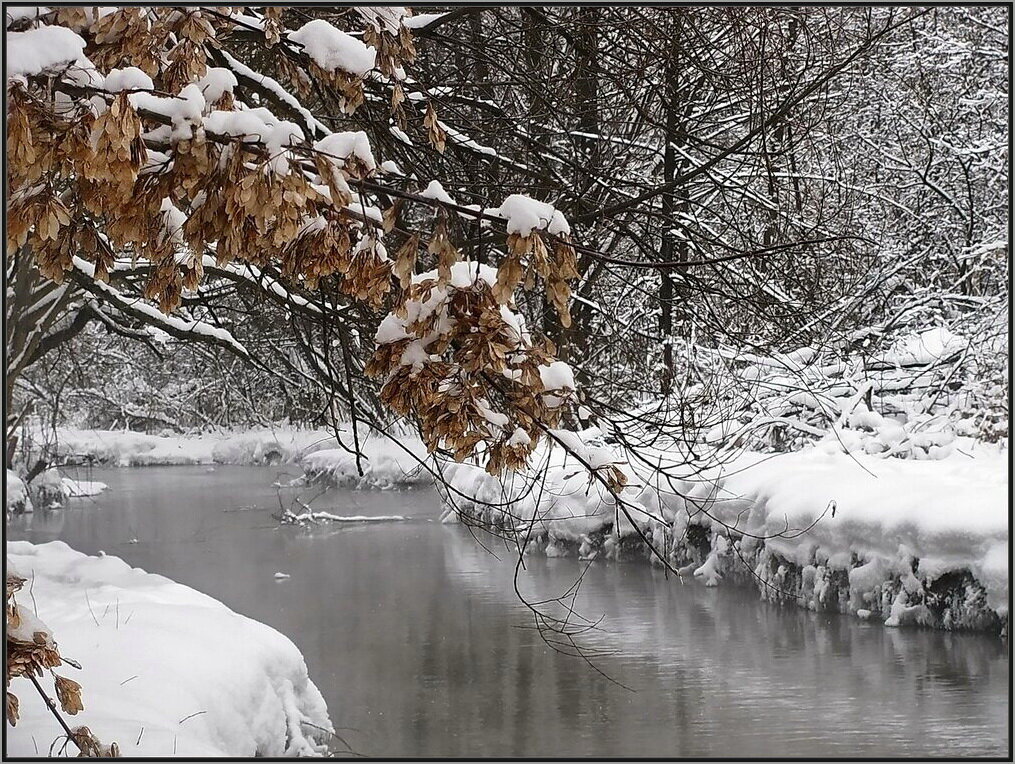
484	381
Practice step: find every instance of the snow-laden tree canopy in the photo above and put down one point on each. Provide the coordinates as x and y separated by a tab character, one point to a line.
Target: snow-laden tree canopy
139	140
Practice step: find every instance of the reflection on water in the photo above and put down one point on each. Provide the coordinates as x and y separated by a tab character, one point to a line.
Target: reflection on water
415	637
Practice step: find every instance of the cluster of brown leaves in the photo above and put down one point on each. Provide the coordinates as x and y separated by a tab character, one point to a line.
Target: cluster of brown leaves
528	257
126	37
478	382
33	657
24	657
434	132
73	174
272	24
394	50
90	746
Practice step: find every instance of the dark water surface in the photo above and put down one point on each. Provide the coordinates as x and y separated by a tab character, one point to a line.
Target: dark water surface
416	638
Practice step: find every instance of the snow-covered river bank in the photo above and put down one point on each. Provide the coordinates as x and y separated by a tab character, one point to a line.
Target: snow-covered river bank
409	629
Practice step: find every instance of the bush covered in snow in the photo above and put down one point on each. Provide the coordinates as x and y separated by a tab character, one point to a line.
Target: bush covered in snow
909	400
16	498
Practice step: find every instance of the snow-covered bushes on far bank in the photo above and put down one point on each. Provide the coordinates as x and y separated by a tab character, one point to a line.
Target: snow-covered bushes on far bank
165	670
908	397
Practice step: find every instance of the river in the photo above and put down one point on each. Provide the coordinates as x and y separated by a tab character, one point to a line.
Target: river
415	636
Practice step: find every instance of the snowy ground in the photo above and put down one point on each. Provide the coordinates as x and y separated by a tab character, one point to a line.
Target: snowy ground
881	532
165	670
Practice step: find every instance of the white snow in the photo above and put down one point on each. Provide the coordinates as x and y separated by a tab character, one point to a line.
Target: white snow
950	514
45	47
216	82
132	449
185	110
197	678
435	190
385	463
257	125
82	488
421	20
931	346
557	376
332	49
128	78
16	498
15	13
519	438
347	144
523	214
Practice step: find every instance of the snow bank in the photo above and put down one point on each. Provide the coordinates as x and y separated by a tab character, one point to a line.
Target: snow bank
925	518
165	670
928	347
385	464
127	449
135	449
876	526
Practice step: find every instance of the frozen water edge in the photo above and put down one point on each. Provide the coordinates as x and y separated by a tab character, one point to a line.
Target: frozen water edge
165	670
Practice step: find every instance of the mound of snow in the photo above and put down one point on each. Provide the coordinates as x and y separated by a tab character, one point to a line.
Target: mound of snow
166	670
45	47
929	347
333	49
16	499
81	488
948	515
384	462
